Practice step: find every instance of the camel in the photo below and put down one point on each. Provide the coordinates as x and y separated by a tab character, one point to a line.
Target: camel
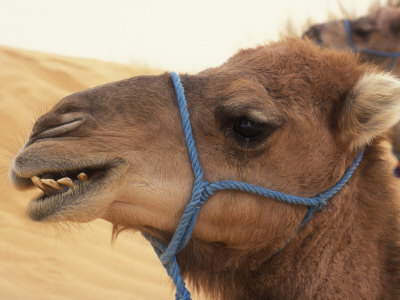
375	36
289	117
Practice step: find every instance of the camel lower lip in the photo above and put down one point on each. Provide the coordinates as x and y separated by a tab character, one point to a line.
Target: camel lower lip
58	203
45	206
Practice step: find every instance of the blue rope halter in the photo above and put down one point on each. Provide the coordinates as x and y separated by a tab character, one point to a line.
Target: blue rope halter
202	190
393	55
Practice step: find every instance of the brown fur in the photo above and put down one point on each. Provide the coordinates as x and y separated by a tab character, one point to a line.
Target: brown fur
310	101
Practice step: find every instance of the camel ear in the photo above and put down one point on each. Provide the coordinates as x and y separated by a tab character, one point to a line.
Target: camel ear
371	108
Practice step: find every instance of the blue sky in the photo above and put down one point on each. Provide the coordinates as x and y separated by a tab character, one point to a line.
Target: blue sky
185	36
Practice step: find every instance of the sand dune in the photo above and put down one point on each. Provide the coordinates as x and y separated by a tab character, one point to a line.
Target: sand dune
62	262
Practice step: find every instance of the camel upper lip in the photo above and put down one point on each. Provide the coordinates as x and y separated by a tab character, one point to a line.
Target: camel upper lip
21	178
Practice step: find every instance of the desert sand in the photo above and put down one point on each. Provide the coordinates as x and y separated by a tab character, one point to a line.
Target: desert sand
41	261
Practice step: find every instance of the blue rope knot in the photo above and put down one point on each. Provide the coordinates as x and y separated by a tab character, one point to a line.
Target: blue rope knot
203	190
321	201
208	191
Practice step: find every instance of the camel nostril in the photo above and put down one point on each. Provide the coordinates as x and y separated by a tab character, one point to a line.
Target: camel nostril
56	130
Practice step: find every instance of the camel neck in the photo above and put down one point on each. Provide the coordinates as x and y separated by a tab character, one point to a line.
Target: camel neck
346	247
339	255
308	268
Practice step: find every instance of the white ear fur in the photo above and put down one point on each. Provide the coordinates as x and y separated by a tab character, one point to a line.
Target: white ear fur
372	107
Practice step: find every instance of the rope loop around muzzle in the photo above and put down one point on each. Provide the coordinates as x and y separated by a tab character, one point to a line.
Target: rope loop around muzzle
203	190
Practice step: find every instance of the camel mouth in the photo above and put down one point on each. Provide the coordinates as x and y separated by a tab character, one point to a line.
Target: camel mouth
67	189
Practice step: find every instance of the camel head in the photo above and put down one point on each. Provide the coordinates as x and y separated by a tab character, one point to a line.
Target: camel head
288	116
379	30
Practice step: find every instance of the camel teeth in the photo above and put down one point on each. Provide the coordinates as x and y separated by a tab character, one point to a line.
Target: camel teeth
66	181
82	176
52	183
36	181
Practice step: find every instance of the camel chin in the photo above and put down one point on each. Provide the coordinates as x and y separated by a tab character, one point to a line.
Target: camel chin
79	193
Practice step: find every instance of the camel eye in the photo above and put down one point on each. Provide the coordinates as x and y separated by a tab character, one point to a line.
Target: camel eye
247	130
361	32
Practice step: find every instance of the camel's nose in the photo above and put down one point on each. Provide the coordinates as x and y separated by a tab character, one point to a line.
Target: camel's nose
314	34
